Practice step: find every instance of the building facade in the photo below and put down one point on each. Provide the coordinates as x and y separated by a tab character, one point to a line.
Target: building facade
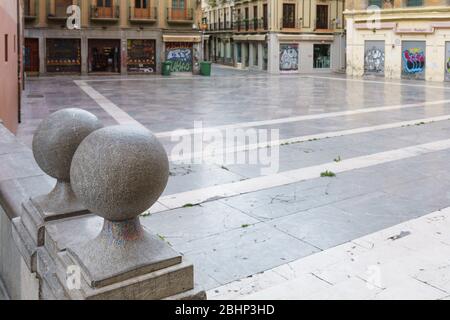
218	15
399	39
111	36
292	36
10	63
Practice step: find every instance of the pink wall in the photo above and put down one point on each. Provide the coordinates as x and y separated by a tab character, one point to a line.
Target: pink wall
9	86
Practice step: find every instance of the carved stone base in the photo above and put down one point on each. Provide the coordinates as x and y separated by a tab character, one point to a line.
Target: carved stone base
139	268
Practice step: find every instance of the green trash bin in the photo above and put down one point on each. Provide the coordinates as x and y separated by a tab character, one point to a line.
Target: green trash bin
205	68
166	68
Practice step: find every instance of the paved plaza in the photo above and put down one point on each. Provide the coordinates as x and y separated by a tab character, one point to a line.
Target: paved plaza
358	162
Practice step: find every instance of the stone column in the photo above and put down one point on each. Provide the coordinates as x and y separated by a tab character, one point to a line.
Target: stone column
273	54
251	54
260	55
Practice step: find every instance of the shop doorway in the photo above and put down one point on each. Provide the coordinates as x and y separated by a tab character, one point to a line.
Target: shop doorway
413	60
180	54
322	56
374	57
104	55
31	59
141	56
63	55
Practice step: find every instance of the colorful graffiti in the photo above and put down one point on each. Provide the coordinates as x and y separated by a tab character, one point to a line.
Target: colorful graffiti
180	54
448	65
288	57
413	60
374	60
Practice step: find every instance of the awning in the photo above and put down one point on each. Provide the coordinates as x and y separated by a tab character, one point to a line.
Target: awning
182	38
305	37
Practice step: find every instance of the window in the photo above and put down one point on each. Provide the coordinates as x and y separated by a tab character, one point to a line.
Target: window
414	3
265	16
179	4
321	56
288	15
322	16
141	4
378	3
255	17
104	3
6	48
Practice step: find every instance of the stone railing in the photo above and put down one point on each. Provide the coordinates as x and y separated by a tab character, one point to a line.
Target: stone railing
69	215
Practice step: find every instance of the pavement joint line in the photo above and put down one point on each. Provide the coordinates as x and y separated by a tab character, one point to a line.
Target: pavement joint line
378	82
261	284
198	196
299	139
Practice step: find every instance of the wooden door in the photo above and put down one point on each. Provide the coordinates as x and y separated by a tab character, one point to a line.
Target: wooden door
142	9
179	10
31	55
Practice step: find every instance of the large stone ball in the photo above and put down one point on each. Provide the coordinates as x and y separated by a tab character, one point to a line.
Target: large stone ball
57	138
118	172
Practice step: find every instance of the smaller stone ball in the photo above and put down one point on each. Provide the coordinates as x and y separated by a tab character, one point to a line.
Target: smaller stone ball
118	172
58	136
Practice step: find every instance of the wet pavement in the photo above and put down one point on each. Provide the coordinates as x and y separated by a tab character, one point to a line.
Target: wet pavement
229	238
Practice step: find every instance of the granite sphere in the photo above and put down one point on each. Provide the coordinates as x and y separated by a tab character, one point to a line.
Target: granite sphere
118	172
57	138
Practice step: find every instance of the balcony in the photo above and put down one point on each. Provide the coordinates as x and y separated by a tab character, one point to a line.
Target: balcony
57	10
180	15
290	23
99	13
143	15
324	25
30	9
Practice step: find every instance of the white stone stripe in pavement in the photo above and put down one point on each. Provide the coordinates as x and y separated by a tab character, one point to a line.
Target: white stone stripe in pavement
316	116
402	84
197	196
407	261
114	111
124	118
331	134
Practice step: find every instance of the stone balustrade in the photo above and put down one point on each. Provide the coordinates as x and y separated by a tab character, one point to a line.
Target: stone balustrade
69	214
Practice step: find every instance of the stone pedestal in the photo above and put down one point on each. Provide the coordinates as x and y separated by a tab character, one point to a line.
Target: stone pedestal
160	273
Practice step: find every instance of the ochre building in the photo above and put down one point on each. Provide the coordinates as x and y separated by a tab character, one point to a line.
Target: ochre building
111	36
399	38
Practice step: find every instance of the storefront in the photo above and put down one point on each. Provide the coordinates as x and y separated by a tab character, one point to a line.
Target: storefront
104	55
180	54
303	53
141	56
63	55
322	56
413	59
410	44
183	51
374	57
289	57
